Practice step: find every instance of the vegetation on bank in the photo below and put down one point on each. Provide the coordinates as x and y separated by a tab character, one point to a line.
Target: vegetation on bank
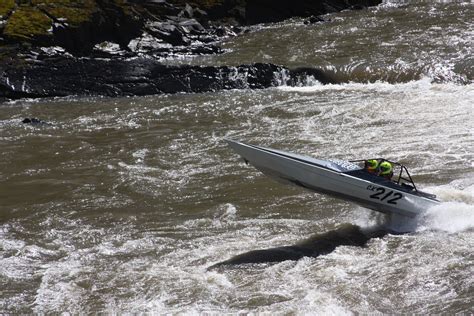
26	23
71	12
78	25
30	21
6	6
26	20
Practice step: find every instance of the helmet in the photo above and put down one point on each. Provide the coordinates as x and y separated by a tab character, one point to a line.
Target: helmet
372	164
385	168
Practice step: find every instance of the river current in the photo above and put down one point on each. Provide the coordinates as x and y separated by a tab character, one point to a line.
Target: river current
121	204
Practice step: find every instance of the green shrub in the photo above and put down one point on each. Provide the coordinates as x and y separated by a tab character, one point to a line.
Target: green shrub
6	6
26	23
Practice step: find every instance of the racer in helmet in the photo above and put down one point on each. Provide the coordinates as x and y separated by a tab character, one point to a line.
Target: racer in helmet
386	170
371	165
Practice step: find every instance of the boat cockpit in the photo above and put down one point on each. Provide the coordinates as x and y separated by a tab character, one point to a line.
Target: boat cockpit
401	178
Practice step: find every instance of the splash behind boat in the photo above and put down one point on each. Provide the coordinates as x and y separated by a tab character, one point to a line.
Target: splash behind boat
341	179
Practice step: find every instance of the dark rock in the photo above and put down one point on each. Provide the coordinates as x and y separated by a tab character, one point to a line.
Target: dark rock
117	77
109	50
237	29
199	14
221	31
314	19
78	27
192	26
187	12
207	38
34	121
168	32
300	76
202	50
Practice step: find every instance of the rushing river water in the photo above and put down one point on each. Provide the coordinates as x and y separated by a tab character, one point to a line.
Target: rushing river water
122	204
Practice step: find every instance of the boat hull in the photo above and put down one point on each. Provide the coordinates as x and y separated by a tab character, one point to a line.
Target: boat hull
324	177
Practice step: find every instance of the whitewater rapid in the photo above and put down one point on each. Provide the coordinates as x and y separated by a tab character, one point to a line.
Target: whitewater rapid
120	205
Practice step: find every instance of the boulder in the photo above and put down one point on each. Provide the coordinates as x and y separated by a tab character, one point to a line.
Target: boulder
301	76
120	77
34	121
168	32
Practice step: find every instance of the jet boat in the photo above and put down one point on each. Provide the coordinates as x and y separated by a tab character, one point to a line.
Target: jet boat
345	180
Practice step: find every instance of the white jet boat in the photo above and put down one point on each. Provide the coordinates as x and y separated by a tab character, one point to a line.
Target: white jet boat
341	179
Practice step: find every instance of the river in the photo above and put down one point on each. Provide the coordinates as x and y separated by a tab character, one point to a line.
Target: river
121	204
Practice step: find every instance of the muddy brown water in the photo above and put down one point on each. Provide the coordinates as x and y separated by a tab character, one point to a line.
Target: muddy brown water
121	205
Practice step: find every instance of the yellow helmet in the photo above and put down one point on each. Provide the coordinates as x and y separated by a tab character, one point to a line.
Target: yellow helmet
372	164
385	168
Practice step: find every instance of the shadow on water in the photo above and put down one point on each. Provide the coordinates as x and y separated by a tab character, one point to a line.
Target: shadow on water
316	245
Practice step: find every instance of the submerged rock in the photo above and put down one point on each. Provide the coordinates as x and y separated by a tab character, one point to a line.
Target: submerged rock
34	121
301	76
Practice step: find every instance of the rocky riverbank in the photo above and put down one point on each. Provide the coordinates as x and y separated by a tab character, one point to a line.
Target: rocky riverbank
113	47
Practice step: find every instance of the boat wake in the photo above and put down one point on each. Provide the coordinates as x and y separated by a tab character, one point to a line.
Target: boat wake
451	217
455	214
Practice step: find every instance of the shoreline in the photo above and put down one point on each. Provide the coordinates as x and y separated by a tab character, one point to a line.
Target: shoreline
113	48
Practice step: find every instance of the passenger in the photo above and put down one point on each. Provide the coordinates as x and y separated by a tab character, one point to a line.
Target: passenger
386	170
371	166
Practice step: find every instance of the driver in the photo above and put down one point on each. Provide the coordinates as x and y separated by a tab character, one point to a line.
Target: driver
386	170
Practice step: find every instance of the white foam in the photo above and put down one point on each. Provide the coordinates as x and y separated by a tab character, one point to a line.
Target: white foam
140	155
456	213
381	86
448	193
451	217
59	289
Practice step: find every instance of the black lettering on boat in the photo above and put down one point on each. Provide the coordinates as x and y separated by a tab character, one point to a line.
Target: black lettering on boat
397	196
379	192
386	195
394	197
371	187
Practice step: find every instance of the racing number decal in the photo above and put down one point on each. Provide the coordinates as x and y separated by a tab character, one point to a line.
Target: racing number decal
382	195
397	196
379	192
